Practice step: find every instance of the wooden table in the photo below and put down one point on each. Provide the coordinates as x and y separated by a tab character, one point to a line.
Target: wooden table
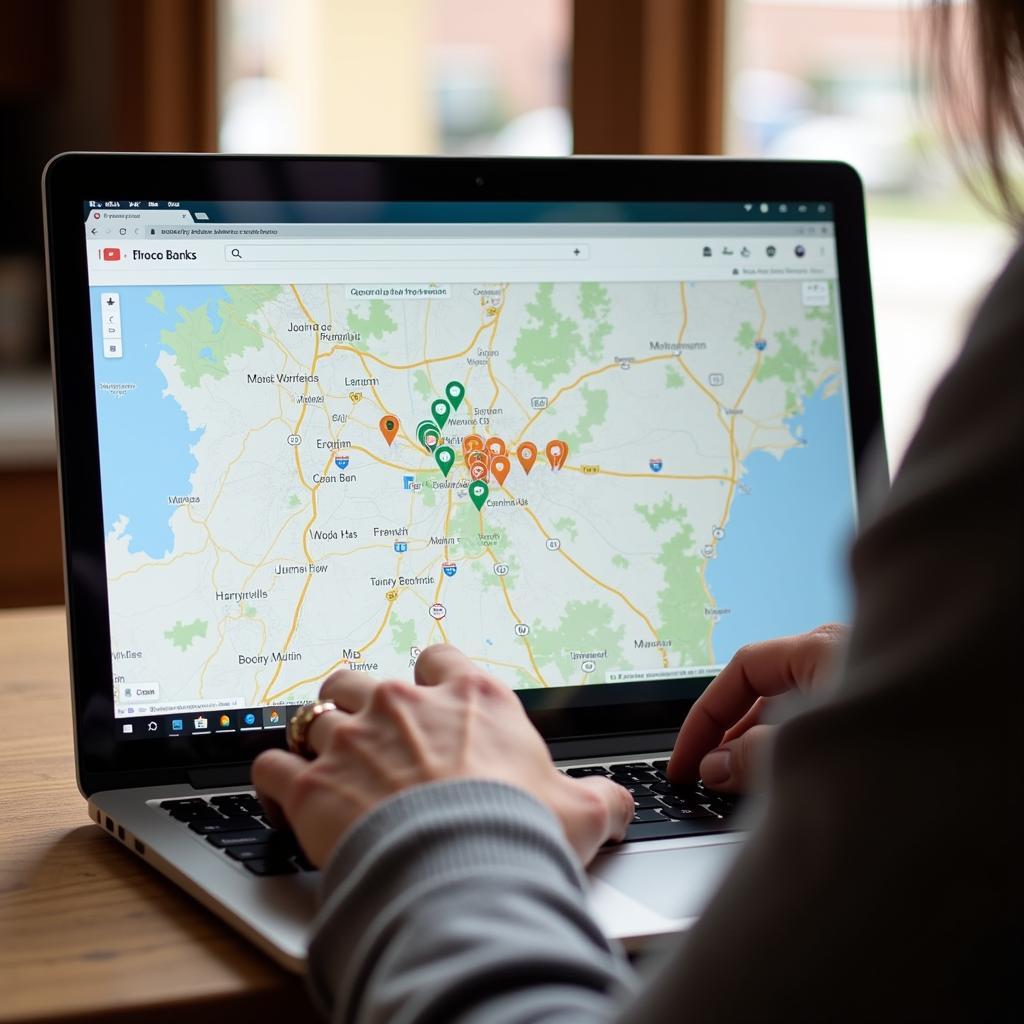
87	931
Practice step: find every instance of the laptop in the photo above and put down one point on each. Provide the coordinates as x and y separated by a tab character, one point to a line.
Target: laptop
595	421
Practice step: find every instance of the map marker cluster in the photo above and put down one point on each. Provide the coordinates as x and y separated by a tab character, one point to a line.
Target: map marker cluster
484	457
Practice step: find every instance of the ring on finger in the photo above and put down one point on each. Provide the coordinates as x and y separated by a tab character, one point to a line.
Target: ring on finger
302	721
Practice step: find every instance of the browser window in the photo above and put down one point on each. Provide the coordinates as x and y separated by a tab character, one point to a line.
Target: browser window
570	440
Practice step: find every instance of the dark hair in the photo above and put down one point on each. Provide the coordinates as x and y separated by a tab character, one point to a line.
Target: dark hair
980	80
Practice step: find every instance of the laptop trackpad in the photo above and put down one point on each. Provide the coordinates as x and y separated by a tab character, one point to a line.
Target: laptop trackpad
674	881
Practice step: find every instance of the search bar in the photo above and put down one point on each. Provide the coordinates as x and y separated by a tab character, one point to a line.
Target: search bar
406	252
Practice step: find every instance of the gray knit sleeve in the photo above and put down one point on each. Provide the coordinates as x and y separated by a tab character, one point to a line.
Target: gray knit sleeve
460	902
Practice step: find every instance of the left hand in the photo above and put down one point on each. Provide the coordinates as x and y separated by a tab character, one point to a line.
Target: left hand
458	723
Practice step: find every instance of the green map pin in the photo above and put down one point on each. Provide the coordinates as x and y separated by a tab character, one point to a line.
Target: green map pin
440	409
455	391
478	491
445	458
427	434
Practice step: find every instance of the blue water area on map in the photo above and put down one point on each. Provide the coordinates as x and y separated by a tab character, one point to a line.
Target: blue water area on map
145	442
781	566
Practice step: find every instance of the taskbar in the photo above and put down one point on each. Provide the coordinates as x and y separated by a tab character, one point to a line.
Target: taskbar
206	723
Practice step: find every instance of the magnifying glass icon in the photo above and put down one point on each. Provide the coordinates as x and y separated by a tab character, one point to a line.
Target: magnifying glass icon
236	253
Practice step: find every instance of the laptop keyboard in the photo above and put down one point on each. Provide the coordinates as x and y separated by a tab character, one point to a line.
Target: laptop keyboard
664	810
237	826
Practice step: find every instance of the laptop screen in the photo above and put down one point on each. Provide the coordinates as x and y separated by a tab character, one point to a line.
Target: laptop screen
586	444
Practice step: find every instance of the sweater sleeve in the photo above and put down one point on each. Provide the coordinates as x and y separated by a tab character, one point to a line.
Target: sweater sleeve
460	901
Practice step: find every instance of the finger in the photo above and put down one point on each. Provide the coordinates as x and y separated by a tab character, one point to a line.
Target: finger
759	670
349	690
323	729
615	811
748	721
440	663
273	773
735	767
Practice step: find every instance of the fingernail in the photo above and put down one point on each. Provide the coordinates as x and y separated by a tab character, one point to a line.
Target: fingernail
716	768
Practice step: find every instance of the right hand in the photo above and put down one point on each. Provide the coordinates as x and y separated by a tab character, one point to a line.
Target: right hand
721	740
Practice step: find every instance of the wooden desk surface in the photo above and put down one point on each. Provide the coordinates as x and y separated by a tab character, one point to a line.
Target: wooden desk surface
87	931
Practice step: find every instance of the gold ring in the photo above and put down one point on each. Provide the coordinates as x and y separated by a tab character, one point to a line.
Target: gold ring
298	727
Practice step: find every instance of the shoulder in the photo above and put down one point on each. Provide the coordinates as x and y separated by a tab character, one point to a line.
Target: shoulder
1001	313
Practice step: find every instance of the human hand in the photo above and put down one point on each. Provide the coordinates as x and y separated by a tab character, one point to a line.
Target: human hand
721	739
387	736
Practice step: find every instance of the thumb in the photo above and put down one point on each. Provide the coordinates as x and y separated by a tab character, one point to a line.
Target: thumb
594	810
738	766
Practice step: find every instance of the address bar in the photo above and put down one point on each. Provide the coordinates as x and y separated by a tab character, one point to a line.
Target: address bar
405	252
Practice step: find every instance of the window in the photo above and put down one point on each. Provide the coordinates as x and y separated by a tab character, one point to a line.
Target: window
823	79
441	76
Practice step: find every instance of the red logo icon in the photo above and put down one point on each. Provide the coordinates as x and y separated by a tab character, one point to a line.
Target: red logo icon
112	253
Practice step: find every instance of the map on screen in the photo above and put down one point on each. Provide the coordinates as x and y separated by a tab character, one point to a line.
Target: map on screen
576	483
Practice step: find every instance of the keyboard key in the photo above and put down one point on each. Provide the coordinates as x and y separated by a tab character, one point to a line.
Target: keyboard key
670	800
235	800
642	777
168	805
688	813
631	766
644	801
227	840
203	813
209	828
726	801
579	773
647	815
270	867
247	852
662	766
236	811
684	792
636	788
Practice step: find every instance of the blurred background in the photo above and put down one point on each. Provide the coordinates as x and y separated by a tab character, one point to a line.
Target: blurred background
800	78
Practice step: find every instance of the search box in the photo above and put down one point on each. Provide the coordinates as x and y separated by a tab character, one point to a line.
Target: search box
406	252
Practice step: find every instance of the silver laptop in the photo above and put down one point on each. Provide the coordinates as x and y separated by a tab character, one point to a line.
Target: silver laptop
594	421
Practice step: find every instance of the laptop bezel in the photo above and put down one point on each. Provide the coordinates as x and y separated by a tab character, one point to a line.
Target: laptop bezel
71	179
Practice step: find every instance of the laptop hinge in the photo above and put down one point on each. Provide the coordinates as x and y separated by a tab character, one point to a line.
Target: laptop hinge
611	746
220	775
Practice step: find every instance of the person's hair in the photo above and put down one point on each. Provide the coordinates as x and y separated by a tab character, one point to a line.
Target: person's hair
980	80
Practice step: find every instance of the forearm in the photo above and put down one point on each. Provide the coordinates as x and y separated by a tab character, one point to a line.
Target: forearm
460	901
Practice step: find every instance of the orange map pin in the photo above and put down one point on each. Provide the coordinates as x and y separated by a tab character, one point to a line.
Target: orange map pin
389	427
472	443
557	452
500	466
526	453
495	446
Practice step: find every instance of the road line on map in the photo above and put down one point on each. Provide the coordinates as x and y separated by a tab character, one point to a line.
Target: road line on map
604	586
516	620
